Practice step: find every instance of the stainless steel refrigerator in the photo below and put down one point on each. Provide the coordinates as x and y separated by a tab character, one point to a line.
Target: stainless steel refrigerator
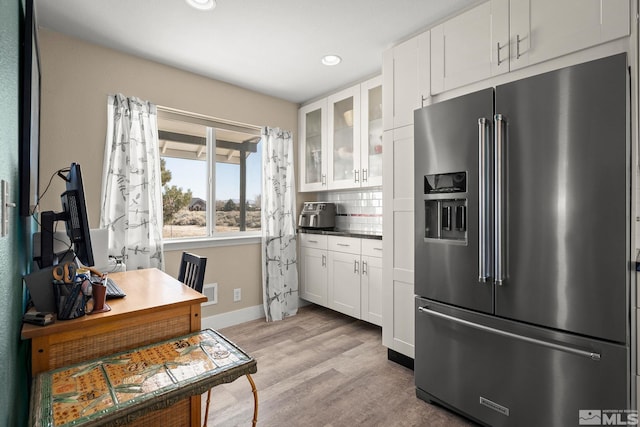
522	248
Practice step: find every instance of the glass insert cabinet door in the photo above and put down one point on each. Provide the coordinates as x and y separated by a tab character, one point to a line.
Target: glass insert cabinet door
344	128
313	148
371	137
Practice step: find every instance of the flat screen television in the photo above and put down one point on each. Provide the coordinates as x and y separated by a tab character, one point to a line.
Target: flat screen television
74	215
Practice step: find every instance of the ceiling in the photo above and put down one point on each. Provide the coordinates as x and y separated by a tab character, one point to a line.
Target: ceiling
273	47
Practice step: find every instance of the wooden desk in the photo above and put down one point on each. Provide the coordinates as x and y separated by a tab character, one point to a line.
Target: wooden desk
157	307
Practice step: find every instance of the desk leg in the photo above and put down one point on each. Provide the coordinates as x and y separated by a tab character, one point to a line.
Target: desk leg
206	410
255	403
255	400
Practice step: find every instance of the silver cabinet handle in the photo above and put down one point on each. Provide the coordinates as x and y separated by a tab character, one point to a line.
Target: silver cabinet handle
312	241
364	268
589	354
364	175
324	260
356	175
356	267
518	40
344	244
499	47
323	180
498	200
377	249
483	192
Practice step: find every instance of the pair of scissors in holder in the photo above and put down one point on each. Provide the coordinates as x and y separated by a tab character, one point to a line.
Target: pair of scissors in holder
65	273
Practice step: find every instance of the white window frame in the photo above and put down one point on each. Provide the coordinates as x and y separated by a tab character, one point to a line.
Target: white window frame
212	239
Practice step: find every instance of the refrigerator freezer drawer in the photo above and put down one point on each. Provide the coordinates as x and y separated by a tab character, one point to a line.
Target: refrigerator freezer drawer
503	373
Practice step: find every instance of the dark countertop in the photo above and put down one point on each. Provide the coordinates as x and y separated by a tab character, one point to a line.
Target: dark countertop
343	233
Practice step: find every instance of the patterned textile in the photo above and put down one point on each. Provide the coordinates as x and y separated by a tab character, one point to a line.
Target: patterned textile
279	255
131	186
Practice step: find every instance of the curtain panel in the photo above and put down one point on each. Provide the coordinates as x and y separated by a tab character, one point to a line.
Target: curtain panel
279	254
131	186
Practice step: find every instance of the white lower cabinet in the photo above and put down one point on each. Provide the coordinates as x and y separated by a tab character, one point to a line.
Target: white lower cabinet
343	274
344	283
371	283
313	268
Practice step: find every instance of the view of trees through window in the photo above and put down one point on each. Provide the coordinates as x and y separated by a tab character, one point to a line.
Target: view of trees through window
230	175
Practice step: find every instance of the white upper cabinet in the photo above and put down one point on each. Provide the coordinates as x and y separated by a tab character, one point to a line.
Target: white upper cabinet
312	120
545	29
504	35
371	132
406	80
340	142
344	136
470	47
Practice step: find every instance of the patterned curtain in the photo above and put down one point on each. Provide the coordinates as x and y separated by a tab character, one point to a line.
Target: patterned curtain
279	255
131	187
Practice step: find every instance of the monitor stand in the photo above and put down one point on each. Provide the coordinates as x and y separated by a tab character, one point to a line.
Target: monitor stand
47	222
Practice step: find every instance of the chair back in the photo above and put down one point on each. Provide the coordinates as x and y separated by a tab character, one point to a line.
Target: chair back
192	269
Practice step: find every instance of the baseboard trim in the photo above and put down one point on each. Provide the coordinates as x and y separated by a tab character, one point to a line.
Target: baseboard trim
231	318
400	358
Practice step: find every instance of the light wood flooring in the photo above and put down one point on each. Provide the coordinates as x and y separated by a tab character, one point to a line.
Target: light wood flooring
320	368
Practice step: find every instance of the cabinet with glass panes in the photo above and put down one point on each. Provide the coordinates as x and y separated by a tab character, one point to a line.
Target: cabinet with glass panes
341	139
312	120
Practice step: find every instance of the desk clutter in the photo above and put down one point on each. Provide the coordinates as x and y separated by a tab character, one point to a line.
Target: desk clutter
124	386
69	291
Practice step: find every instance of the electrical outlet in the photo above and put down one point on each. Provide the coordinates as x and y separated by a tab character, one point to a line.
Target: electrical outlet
237	294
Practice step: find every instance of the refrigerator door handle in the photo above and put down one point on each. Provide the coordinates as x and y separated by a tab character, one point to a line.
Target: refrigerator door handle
483	193
498	200
588	354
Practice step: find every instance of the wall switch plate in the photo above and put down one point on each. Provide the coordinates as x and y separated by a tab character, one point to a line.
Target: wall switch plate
237	294
210	290
4	209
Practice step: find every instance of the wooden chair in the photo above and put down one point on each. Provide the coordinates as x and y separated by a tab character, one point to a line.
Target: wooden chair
192	269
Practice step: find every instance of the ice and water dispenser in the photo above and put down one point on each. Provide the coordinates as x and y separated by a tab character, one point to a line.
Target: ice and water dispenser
445	212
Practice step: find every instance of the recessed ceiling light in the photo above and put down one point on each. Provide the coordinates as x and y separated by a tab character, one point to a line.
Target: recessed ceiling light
331	60
202	4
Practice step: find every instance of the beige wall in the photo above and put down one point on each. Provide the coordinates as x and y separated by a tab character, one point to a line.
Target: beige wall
231	267
76	79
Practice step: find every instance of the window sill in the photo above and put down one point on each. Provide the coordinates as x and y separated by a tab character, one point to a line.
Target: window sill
250	238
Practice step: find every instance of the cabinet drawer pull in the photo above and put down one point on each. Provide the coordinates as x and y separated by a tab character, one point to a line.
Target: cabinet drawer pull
356	267
364	268
324	260
344	244
312	241
377	249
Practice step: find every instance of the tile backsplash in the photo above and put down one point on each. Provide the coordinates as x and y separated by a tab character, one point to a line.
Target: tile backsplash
357	210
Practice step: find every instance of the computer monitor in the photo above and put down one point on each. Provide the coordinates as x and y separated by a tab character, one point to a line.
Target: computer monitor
74	215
